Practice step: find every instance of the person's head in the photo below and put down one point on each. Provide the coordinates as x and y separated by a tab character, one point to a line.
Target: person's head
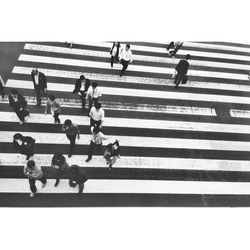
18	137
57	155
96	130
31	164
52	97
14	93
188	57
35	71
82	78
94	85
98	105
127	47
68	122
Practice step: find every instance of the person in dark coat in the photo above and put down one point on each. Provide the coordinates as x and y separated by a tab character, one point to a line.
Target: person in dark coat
115	52
181	70
40	84
2	84
81	87
24	145
19	105
112	153
77	177
60	165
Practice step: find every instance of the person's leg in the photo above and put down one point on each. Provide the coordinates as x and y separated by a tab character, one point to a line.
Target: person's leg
38	97
125	65
178	80
56	117
58	175
32	185
2	92
20	115
91	149
90	104
43	180
72	139
81	187
92	122
83	100
112	61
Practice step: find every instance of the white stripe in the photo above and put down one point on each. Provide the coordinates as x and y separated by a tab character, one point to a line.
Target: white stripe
131	186
216	47
133	79
135	141
240	113
181	51
133	107
11	159
138	92
136	123
136	68
95	53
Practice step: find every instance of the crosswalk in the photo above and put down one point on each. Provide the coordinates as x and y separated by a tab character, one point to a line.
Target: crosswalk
173	141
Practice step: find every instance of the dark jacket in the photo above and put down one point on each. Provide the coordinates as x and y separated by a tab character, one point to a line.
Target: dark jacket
78	85
77	176
42	81
182	67
60	161
20	103
27	145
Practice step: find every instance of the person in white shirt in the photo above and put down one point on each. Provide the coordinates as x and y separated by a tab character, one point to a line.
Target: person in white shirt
126	57
97	115
55	108
93	94
97	138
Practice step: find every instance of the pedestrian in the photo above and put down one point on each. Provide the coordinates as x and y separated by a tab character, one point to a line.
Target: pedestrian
181	71
115	52
126	57
40	85
96	141
81	87
96	115
112	153
34	172
24	145
55	108
173	48
60	165
19	105
77	177
93	94
2	84
71	131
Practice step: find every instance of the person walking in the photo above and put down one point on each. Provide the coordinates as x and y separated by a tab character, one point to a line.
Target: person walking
24	145
55	108
96	141
112	153
2	84
34	173
77	177
173	48
115	52
126	57
81	87
96	115
40	85
60	165
19	105
72	131
181	71
93	94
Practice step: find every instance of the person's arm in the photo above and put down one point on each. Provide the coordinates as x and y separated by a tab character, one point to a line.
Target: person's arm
46	108
131	57
78	132
44	83
91	112
88	92
104	137
64	127
102	118
99	93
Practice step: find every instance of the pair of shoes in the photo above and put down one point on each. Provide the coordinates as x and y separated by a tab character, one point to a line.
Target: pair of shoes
32	195
87	160
69	155
43	185
56	183
176	86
